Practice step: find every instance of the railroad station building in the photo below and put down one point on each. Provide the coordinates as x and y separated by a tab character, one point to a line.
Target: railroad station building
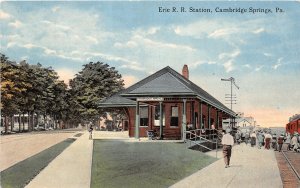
168	103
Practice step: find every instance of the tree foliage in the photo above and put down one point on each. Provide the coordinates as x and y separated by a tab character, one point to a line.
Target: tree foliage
95	82
13	85
36	90
30	89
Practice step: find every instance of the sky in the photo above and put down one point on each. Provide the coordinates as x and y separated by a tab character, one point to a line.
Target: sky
261	49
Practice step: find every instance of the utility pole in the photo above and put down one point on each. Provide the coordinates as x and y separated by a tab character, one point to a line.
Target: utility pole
232	98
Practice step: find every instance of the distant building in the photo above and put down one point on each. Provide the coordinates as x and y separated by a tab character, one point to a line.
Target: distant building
245	121
277	130
240	121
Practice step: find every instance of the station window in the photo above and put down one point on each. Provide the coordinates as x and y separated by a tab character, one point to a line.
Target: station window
174	116
144	119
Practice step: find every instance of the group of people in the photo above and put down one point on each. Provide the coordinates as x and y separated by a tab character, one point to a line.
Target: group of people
293	141
260	139
264	138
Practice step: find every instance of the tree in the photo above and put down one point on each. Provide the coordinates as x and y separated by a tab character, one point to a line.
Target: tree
12	86
91	85
60	106
30	89
9	73
35	90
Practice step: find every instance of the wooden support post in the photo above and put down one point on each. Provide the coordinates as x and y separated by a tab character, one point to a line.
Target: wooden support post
192	107
183	126
208	120
200	114
137	120
208	116
161	120
217	120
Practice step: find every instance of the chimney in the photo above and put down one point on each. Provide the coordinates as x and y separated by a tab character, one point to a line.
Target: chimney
185	71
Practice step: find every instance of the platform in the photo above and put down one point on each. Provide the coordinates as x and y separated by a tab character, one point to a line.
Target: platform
250	167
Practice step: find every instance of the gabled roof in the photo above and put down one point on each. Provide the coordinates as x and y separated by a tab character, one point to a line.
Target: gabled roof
248	119
166	82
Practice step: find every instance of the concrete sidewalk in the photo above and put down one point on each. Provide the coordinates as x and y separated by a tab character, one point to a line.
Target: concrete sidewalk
250	167
71	169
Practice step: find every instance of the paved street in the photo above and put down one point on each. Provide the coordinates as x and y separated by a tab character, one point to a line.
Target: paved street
17	147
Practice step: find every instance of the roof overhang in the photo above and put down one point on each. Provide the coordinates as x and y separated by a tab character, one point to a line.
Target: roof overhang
157	94
103	105
228	111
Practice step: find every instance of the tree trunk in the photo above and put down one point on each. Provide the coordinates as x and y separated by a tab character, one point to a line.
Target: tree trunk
45	121
19	123
28	121
6	123
12	122
33	121
23	122
55	121
30	126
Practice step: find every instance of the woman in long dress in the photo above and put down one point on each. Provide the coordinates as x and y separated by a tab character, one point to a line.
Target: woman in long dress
253	139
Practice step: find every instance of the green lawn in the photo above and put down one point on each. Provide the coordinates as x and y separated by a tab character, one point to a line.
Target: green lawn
21	173
145	164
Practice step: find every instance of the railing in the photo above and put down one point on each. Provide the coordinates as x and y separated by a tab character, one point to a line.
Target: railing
199	137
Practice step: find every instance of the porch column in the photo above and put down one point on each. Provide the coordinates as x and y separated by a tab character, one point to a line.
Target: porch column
192	107
183	126
137	120
160	120
233	122
208	116
200	114
217	122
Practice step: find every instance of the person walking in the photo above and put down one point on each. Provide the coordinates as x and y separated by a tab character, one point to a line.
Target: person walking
253	139
274	141
280	142
268	138
91	132
260	138
287	141
238	137
247	136
227	142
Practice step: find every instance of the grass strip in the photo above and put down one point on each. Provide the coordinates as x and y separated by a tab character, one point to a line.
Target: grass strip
129	164
23	172
78	134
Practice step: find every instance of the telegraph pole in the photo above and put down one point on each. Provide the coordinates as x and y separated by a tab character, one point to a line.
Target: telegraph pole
232	97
